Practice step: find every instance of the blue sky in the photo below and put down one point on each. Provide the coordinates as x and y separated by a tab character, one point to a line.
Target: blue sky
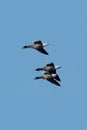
27	104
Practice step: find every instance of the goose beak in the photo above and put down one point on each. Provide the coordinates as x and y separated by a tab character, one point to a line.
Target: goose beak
57	67
45	44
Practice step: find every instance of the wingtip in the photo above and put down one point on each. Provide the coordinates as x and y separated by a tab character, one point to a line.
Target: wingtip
47	54
59	85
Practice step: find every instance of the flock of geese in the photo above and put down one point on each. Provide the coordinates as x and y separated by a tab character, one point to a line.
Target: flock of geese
49	69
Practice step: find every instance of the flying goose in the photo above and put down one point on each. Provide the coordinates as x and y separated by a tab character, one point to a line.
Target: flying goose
49	77
39	46
51	68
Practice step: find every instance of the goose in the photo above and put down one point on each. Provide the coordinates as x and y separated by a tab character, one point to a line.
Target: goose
38	45
49	77
51	68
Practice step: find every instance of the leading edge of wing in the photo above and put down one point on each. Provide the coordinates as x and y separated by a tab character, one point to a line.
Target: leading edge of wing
43	51
53	81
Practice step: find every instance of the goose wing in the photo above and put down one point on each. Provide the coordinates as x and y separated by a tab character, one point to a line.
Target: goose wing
43	51
54	72
53	81
38	42
57	77
50	64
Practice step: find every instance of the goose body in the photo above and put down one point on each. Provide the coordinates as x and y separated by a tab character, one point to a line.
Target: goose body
49	77
38	45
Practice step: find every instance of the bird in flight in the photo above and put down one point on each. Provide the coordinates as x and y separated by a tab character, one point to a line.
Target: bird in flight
38	45
51	68
49	77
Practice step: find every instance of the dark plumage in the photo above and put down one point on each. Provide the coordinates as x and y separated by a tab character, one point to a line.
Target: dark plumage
50	67
38	45
49	77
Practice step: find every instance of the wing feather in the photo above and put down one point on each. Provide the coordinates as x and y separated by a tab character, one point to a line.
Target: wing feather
53	81
57	78
38	42
43	51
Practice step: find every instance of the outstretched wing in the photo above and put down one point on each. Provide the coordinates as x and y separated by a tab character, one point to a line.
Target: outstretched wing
38	42
50	64
53	81
43	51
57	78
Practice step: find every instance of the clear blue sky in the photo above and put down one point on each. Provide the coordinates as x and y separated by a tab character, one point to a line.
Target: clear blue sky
27	104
